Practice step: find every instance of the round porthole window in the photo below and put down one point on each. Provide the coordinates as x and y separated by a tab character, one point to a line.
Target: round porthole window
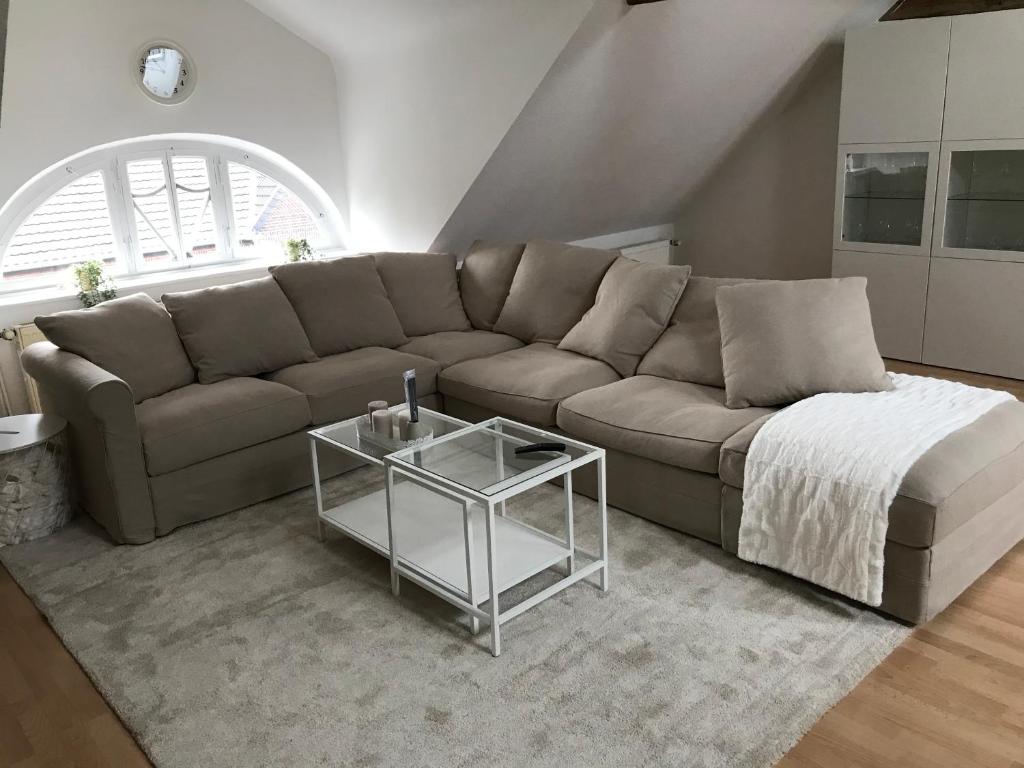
165	72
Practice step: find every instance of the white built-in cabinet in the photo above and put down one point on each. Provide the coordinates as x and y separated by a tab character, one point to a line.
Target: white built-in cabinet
930	187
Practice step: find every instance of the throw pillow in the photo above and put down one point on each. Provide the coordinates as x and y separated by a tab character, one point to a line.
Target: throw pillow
341	304
634	303
485	279
690	349
424	290
242	329
554	286
131	337
786	340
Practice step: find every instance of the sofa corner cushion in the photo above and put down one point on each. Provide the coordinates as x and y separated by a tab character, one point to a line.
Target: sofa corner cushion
132	337
554	285
241	329
485	279
783	341
339	387
450	347
526	383
635	301
955	480
424	290
690	349
672	422
201	421
341	303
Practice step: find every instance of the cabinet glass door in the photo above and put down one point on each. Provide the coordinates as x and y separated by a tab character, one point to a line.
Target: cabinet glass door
884	197
984	203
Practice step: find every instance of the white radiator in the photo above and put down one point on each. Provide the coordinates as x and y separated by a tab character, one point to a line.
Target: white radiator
17	390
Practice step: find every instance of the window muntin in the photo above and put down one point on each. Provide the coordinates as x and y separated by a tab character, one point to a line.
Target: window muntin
71	227
163	209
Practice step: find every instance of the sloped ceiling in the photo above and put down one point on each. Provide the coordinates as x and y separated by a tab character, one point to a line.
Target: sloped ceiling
427	90
640	107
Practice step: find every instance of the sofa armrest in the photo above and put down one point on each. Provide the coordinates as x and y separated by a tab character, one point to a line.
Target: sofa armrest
104	442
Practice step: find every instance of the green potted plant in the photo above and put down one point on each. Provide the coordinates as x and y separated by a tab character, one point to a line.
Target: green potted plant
94	285
299	250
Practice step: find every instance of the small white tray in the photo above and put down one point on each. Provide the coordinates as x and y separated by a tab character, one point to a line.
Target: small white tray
390	444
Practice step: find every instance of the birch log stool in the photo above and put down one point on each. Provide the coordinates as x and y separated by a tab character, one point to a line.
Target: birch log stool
35	493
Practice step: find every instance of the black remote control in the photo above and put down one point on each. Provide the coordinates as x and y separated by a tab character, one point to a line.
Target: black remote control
538	447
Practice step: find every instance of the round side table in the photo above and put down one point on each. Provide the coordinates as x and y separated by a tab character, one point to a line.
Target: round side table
35	487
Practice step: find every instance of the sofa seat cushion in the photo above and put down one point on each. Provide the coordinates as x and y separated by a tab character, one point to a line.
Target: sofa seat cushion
451	347
200	421
340	386
958	478
674	422
526	383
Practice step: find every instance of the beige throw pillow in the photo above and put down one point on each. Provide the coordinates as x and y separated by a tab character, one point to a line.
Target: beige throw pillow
783	341
242	329
485	278
554	286
634	303
341	303
690	349
131	337
424	290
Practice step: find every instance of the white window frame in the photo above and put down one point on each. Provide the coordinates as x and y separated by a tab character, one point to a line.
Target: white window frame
111	162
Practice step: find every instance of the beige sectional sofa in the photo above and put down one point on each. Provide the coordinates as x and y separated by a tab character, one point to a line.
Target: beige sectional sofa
314	342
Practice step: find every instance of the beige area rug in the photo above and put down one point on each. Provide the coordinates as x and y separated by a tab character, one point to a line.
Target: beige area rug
244	641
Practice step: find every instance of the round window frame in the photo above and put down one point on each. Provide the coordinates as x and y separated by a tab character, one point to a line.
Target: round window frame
188	62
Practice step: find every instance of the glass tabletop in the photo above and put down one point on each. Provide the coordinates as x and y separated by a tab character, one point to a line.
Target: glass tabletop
352	434
483	457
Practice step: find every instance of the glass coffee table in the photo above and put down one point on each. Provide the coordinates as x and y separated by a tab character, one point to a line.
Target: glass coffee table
441	519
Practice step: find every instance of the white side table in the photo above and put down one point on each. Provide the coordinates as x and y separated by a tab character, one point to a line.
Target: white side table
35	487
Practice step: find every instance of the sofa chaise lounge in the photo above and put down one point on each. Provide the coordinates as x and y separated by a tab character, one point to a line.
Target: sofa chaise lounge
184	413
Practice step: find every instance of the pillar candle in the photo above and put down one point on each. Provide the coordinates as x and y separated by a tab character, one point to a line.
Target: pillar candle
381	420
376	405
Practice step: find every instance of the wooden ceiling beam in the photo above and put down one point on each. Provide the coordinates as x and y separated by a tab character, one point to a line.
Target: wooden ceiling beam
921	9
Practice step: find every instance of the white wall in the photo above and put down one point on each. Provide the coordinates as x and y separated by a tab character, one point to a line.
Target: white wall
641	106
428	90
69	83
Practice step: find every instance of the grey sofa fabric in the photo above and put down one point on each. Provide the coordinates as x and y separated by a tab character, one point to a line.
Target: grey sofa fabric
132	337
690	349
485	279
424	290
951	483
554	285
634	304
103	439
242	329
525	384
200	421
783	341
339	387
673	422
450	347
341	303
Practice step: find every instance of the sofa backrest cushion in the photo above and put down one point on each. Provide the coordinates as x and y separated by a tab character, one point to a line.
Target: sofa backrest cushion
242	329
424	290
690	349
132	337
634	303
341	304
485	279
554	285
786	340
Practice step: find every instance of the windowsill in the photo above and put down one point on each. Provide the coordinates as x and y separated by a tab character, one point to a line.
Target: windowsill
22	306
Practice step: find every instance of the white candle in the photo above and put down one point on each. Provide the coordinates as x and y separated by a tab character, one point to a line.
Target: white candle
381	420
376	405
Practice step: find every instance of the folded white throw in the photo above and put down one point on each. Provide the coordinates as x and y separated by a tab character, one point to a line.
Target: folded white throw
821	474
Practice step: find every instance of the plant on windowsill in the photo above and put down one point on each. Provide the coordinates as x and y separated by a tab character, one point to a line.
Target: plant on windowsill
299	250
94	286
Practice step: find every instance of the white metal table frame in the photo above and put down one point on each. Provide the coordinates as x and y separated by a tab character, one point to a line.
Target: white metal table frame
493	502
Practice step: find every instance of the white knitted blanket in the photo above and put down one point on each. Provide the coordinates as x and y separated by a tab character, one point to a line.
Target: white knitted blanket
821	474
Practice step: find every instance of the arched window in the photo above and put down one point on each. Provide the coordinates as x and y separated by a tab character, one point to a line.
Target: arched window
145	206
